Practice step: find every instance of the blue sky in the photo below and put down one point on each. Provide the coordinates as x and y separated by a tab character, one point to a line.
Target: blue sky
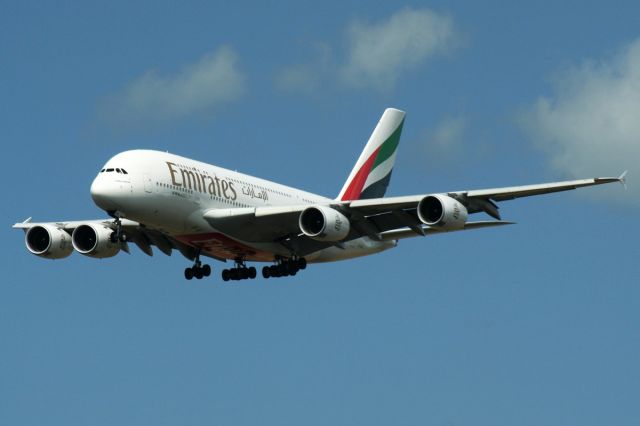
536	323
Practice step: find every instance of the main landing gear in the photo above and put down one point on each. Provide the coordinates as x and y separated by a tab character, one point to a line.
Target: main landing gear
240	272
284	268
198	270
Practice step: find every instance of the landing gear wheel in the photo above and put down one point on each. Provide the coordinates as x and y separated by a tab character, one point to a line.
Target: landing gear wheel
225	275
291	268
284	270
302	263
206	270
266	272
252	272
198	273
188	273
273	271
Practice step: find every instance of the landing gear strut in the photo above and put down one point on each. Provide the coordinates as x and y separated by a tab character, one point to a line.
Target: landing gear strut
117	235
198	270
240	272
284	267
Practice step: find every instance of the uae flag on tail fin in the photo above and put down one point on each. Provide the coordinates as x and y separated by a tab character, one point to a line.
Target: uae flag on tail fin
372	172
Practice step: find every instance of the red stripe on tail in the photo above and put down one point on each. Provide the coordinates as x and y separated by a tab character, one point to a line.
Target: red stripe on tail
355	186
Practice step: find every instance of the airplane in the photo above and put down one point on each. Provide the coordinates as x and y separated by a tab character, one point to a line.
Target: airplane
171	202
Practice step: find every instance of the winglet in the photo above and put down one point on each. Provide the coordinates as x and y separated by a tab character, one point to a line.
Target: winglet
623	179
22	225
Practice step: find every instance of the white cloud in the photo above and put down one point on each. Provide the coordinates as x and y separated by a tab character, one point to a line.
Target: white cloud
443	146
377	54
298	78
306	78
380	52
447	138
591	124
197	87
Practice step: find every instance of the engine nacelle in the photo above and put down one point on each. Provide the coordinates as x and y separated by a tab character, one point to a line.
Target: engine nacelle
94	240
48	241
443	212
323	223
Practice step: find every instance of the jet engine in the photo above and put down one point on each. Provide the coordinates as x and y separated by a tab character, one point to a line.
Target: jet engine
48	241
323	223
93	240
443	212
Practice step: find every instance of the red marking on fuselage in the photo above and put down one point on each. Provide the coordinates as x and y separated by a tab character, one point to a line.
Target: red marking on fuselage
219	245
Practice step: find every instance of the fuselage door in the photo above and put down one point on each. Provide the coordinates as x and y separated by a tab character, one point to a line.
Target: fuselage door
147	183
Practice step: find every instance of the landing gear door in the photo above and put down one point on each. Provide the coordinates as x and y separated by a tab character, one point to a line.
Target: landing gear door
147	183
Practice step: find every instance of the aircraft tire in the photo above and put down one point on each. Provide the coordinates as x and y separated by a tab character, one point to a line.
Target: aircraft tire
206	270
274	272
188	273
302	263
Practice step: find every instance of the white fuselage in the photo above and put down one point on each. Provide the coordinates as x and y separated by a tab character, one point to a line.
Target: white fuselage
170	193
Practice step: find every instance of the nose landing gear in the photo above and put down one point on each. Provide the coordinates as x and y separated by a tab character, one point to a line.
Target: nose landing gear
117	235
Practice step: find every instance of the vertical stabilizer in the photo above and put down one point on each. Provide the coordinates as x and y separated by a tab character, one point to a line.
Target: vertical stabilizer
372	172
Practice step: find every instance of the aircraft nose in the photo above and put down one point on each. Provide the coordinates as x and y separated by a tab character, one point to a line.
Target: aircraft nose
105	193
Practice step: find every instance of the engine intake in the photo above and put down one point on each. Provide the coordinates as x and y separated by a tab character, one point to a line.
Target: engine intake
442	211
93	240
323	223
48	241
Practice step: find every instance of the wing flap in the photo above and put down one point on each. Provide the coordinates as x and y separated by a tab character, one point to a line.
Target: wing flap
398	234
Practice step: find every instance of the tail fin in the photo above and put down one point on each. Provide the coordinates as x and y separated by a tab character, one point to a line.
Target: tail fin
372	172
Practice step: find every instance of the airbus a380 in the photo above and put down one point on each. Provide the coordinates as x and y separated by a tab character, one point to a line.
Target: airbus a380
171	202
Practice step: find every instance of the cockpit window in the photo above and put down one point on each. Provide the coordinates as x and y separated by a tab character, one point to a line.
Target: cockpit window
117	170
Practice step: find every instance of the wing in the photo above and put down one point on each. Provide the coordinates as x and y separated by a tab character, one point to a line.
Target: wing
479	197
378	218
137	233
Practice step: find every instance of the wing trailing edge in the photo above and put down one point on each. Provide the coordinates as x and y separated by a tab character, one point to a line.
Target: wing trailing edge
399	234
